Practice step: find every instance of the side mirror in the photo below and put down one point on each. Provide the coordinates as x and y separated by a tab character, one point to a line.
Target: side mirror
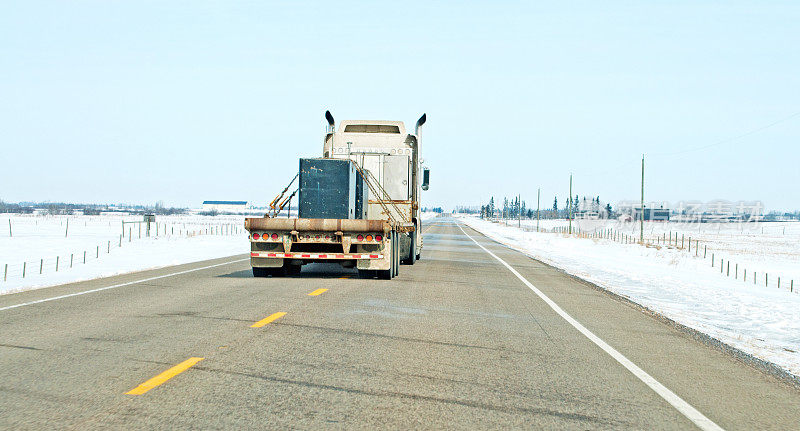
426	178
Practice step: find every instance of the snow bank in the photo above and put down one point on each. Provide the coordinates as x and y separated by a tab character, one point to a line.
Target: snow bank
40	243
764	322
765	248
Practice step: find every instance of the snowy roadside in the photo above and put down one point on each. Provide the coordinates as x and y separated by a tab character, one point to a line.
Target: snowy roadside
761	321
41	254
427	215
138	256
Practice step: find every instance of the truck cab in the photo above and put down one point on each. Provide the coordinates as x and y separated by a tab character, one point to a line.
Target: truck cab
390	156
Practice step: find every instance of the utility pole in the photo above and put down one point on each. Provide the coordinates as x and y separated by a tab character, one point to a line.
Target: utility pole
538	195
569	205
641	219
519	211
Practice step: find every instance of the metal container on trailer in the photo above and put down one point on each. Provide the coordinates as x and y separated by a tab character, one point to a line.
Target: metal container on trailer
327	189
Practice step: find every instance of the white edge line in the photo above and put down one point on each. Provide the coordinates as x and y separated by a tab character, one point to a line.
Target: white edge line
682	406
117	285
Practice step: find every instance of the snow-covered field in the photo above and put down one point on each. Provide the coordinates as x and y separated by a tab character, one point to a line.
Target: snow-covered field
35	244
763	321
771	249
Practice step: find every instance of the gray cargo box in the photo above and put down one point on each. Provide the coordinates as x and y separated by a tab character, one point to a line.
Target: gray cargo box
328	189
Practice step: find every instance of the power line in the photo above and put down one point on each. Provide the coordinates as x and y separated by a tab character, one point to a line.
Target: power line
724	141
735	138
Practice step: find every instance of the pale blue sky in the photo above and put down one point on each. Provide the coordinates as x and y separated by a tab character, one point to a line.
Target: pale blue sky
184	101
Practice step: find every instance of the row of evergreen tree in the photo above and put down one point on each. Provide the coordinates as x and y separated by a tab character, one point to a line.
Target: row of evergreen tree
516	208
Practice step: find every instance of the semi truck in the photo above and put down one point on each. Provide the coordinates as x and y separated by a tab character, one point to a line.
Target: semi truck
358	205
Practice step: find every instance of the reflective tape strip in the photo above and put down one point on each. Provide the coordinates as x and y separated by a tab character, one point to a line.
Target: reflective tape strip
315	256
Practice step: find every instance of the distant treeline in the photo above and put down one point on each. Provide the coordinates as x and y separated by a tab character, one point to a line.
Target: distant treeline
61	208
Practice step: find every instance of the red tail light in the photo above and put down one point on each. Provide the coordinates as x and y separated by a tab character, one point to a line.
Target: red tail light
274	236
360	238
378	238
256	236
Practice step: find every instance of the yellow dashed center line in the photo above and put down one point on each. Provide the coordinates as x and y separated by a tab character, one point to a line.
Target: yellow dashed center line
267	320
318	292
163	377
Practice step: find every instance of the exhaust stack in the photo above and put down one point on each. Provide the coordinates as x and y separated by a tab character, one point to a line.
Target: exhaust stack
420	122
331	123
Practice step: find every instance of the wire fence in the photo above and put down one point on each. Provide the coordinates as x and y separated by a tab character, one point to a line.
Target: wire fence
682	242
64	261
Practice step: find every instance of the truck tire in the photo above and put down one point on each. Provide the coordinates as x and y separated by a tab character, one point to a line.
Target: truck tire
269	272
294	269
366	273
388	274
412	251
396	254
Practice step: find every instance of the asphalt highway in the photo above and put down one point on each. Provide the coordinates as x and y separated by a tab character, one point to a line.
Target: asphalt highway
473	336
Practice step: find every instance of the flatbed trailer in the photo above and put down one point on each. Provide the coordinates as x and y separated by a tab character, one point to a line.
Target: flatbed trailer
280	246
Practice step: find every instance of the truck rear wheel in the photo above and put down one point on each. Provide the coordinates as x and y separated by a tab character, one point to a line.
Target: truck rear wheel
388	274
396	254
293	269
412	251
265	272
